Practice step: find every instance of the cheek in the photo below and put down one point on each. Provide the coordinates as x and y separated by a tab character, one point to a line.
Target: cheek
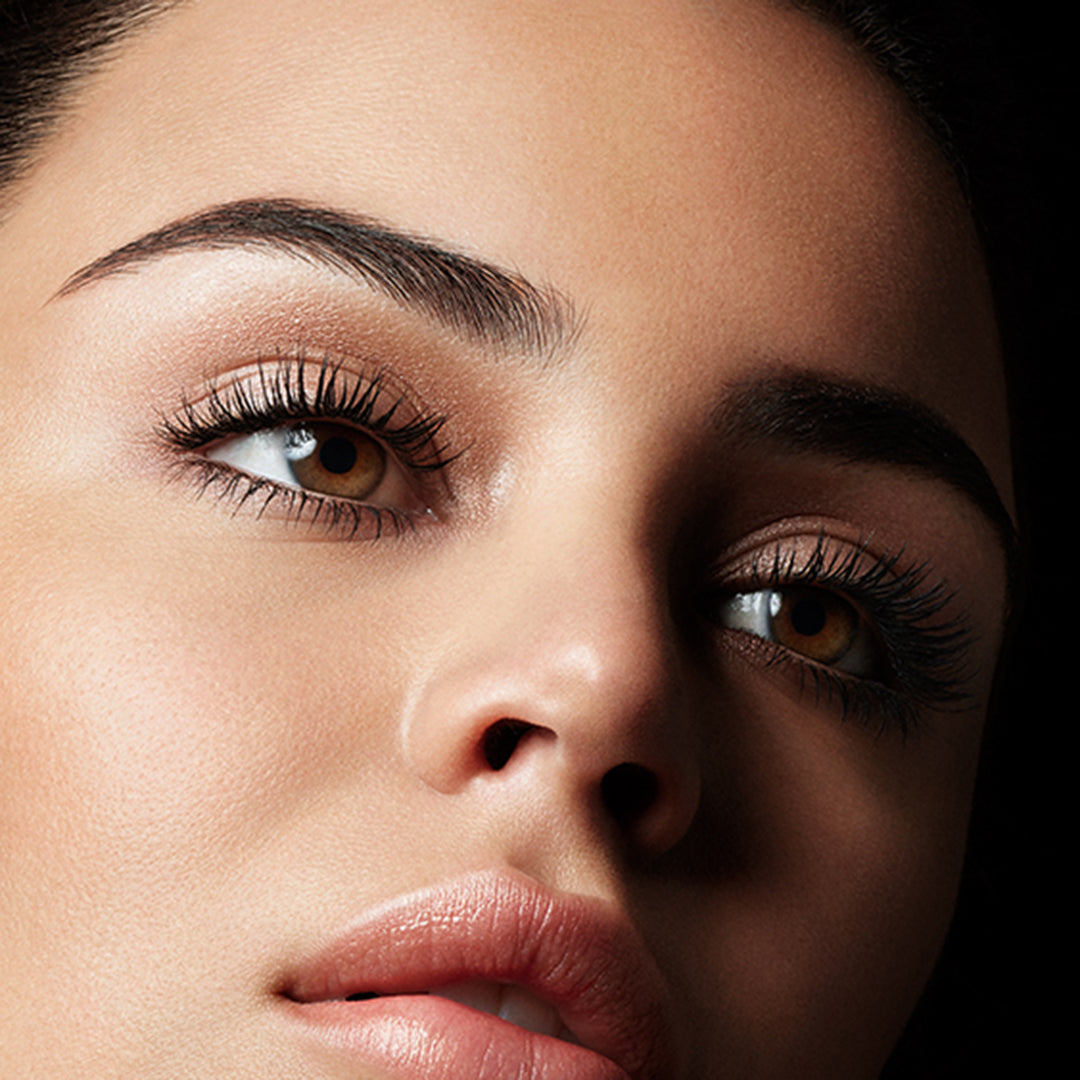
826	861
162	701
162	720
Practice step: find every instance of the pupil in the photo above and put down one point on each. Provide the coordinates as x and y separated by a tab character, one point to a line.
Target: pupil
337	455
808	617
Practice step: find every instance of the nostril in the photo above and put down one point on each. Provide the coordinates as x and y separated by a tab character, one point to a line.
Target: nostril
501	740
628	790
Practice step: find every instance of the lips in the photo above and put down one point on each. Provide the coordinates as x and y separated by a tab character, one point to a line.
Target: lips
489	976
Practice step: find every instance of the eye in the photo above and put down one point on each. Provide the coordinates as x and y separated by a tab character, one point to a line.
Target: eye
815	623
320	457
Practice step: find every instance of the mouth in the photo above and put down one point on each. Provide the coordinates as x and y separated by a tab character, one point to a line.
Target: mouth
488	976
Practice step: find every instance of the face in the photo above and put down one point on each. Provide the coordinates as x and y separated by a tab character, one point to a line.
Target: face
511	550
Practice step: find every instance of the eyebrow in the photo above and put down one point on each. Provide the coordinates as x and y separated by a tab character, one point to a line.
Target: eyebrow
861	424
465	294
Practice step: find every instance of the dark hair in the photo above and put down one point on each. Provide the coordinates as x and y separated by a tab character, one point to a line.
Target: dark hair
47	47
982	81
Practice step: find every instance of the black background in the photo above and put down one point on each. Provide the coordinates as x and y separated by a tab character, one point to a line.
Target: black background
996	1005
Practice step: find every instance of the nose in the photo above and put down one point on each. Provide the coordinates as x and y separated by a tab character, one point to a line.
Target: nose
562	686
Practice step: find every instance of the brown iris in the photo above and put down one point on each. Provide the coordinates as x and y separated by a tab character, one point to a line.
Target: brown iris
813	622
335	459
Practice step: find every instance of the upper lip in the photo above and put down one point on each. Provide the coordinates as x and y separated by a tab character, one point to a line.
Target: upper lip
576	952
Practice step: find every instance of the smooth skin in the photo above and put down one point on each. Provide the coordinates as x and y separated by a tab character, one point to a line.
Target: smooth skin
224	735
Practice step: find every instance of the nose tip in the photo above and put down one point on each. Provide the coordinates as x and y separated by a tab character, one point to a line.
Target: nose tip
583	715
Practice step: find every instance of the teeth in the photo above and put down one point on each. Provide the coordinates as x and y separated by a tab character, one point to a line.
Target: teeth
512	1003
528	1011
482	996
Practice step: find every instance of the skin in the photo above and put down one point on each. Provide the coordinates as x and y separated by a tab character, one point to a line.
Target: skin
226	736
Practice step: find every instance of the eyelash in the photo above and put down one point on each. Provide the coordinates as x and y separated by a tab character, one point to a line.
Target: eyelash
924	656
280	392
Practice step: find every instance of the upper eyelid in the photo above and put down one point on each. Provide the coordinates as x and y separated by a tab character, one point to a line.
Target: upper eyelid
293	387
867	578
814	557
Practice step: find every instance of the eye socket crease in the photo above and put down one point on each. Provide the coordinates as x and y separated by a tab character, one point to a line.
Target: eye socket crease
803	412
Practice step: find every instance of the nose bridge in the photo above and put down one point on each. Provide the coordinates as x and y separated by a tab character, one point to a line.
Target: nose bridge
564	644
595	608
572	640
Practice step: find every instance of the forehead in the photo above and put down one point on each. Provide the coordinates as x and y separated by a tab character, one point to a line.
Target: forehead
714	178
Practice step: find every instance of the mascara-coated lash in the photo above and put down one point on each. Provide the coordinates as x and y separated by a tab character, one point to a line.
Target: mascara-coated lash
923	653
278	391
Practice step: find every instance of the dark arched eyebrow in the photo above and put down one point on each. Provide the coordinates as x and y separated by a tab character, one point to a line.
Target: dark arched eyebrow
806	413
461	292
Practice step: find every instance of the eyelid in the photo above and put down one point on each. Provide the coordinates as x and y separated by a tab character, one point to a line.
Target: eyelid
293	387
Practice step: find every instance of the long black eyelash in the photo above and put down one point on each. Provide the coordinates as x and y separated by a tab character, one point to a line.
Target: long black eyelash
925	654
280	392
283	394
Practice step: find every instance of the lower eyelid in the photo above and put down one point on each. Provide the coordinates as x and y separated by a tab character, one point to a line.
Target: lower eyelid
321	517
846	697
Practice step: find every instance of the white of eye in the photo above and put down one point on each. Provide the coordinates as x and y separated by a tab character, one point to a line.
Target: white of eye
263	453
752	612
324	458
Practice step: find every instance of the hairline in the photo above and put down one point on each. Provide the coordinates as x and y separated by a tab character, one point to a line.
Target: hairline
46	103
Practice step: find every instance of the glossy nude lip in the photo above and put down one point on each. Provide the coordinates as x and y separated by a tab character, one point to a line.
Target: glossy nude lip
573	952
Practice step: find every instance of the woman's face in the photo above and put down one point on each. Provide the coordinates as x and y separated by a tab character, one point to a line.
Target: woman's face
585	599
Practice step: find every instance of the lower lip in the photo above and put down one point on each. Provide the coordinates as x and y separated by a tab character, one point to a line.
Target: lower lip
407	1037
